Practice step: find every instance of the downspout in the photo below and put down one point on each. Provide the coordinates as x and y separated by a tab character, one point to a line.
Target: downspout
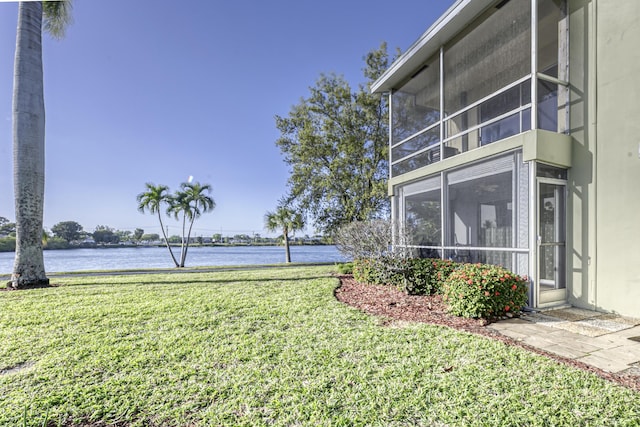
444	198
534	276
534	64
594	129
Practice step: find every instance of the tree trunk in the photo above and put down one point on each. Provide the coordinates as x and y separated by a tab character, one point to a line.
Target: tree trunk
186	249
28	148
182	247
287	256
166	240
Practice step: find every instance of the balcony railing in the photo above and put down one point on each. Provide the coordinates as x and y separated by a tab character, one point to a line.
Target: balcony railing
500	115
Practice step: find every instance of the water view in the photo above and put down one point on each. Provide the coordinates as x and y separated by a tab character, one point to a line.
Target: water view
158	257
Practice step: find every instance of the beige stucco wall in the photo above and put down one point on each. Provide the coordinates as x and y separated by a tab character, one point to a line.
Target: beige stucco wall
617	122
581	202
604	185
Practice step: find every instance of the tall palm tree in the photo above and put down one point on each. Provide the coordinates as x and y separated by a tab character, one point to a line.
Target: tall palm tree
192	201
28	135
286	220
152	200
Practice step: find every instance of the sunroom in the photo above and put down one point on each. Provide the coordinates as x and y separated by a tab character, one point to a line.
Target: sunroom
479	144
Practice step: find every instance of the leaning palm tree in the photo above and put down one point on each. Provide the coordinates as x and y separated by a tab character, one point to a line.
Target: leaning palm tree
192	201
152	200
28	135
286	220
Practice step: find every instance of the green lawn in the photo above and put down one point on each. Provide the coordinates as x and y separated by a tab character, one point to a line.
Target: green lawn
267	347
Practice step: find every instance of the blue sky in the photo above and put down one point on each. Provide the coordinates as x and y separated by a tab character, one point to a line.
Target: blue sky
157	91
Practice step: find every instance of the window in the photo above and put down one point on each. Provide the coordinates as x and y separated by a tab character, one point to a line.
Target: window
491	55
547	171
487	213
416	105
485	207
481	211
422	210
414	162
423	140
552	62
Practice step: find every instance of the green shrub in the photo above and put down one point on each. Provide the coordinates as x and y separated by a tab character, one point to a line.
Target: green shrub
345	268
426	276
417	276
379	271
486	291
363	271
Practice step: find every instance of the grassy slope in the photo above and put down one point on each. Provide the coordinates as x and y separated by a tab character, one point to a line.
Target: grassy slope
268	347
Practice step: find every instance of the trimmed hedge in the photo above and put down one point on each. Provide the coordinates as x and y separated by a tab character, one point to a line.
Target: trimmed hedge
383	271
426	276
469	290
417	276
485	291
345	267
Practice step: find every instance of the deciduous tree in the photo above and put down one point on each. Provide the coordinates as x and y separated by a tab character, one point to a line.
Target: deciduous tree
335	142
152	237
7	227
104	234
67	230
137	234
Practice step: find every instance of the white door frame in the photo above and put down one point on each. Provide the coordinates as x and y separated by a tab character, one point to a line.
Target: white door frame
556	294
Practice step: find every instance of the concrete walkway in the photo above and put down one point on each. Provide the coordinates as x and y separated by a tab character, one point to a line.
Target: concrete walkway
605	341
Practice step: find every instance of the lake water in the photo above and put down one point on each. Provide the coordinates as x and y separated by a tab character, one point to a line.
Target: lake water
146	257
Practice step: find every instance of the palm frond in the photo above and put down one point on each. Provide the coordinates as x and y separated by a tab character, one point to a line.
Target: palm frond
56	17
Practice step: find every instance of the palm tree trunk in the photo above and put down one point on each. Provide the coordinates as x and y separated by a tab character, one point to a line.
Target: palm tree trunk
166	240
28	148
183	254
287	256
186	249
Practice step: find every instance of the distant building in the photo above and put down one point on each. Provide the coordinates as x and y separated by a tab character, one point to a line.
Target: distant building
515	141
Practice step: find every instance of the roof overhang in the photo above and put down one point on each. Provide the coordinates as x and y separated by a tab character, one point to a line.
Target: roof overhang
452	22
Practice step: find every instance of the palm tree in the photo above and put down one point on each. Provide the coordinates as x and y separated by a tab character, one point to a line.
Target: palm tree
192	201
28	135
286	220
152	200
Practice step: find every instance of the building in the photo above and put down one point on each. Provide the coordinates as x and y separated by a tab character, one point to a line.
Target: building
515	140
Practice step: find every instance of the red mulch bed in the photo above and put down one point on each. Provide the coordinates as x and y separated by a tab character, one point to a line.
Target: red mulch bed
394	305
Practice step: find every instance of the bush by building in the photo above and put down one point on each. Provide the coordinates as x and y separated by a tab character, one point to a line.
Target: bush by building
485	291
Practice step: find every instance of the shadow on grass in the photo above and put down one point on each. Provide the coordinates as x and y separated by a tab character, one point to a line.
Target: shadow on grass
208	281
186	271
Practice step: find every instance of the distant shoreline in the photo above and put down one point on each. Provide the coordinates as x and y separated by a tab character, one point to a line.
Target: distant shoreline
173	245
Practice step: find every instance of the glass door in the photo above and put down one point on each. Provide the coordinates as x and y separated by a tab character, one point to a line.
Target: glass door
551	242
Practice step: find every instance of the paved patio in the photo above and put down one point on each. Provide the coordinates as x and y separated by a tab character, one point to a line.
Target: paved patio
605	341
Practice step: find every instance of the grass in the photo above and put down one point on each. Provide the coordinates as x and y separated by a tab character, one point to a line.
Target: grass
267	347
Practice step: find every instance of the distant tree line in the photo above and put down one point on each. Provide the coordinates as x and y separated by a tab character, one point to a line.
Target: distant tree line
70	234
